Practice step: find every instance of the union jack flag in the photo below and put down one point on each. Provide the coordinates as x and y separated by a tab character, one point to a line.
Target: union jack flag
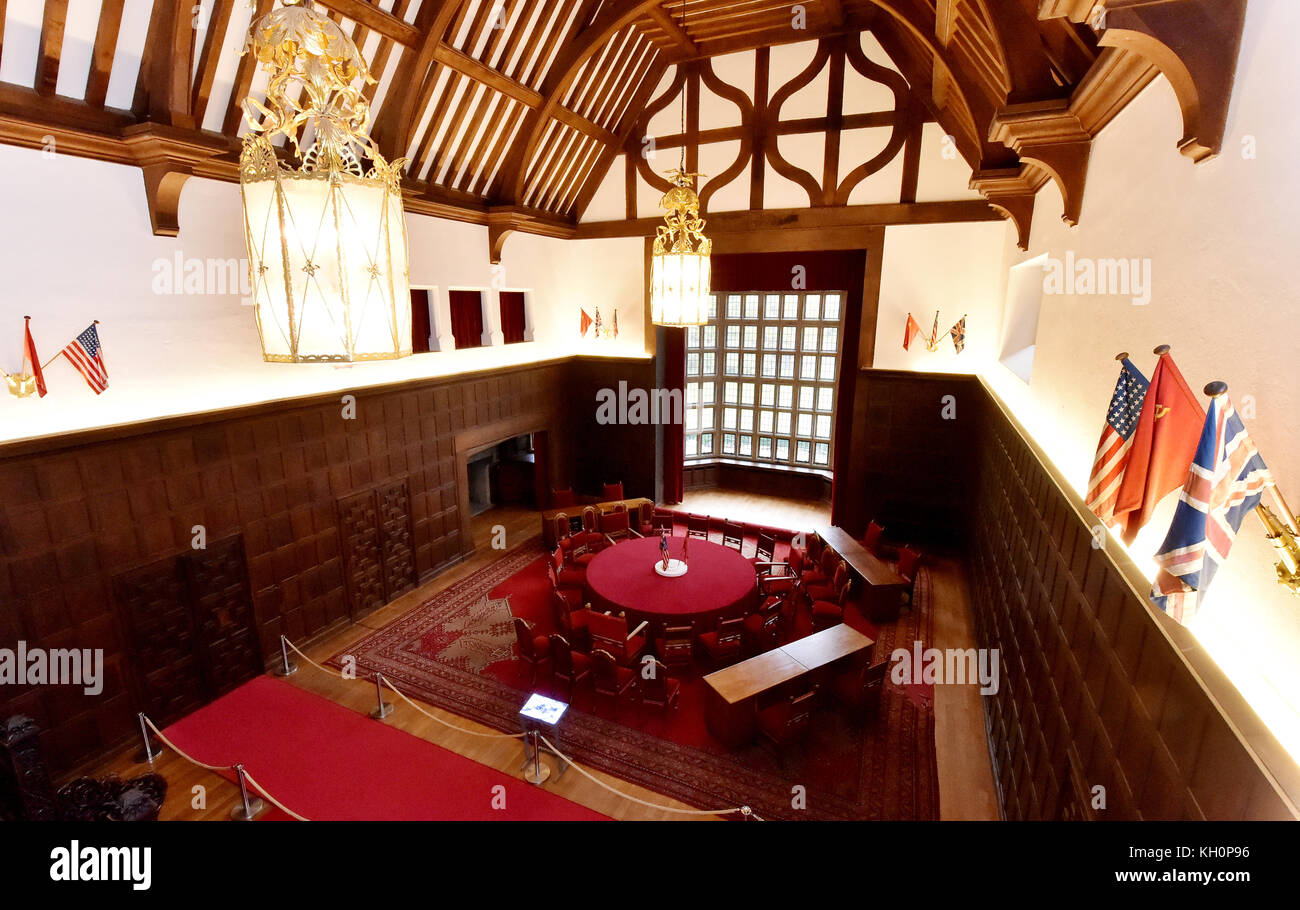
1225	482
1116	440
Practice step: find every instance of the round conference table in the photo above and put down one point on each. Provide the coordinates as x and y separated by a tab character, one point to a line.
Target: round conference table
720	583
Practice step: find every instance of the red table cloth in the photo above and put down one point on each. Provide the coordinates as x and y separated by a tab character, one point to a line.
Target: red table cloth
720	582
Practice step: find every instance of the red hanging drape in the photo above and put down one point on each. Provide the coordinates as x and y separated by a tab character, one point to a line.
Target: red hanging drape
466	318
419	320
674	454
512	316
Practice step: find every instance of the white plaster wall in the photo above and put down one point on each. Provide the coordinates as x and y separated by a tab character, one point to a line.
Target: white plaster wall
1222	239
76	245
953	268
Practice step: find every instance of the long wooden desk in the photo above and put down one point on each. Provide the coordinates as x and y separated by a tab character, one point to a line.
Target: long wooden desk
884	590
575	511
733	692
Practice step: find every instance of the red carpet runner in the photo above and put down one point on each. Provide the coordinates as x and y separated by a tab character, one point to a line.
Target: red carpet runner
328	763
883	770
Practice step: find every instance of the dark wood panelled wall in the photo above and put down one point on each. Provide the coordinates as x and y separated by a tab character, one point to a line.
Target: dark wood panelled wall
324	517
1097	689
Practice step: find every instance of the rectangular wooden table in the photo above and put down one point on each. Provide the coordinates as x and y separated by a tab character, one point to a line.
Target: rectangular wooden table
883	588
574	511
733	692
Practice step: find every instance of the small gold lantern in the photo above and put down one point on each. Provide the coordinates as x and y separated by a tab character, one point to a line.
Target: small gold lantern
327	247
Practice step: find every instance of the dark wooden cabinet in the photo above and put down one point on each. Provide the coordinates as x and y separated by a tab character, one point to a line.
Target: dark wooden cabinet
189	627
378	543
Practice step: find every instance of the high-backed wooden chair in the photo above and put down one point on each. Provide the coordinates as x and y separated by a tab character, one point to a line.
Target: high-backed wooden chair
616	526
697	526
573	575
611	492
831	589
826	613
531	648
656	688
569	619
645	514
765	551
609	679
787	721
733	535
726	642
563	499
567	664
909	560
871	540
661	523
859	688
763	627
610	633
676	647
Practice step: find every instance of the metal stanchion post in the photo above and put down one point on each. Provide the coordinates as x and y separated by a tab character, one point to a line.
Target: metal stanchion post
384	709
249	809
539	772
287	668
746	814
151	748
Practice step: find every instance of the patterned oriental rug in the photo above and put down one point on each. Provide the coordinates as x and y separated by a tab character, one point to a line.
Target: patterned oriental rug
456	652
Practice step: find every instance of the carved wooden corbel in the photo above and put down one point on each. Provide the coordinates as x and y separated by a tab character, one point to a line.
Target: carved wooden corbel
1011	191
169	156
1195	44
1049	135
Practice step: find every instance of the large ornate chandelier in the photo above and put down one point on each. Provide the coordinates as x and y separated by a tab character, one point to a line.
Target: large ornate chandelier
679	262
326	241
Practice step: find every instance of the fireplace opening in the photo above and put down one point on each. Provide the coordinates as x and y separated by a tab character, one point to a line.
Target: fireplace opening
502	475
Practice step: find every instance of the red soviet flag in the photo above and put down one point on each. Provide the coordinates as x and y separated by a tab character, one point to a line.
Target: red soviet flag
910	332
30	358
1164	443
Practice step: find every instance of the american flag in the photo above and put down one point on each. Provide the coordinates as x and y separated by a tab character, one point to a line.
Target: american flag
87	356
1225	482
1116	440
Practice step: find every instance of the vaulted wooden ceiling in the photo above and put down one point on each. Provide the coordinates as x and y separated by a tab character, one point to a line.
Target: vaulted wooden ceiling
513	109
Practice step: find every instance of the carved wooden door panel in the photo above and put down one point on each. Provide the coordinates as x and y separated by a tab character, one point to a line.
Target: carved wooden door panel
229	649
159	625
398	548
363	552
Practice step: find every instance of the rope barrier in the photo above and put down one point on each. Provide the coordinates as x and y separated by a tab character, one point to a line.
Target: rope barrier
493	735
742	810
219	768
189	758
271	799
404	697
599	782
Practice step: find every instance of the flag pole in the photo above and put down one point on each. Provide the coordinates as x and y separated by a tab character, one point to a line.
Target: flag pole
1281	532
1122	355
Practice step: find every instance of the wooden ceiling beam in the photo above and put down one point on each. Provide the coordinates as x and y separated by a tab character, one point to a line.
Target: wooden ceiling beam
218	23
397	120
101	61
374	18
611	19
962	211
674	31
51	46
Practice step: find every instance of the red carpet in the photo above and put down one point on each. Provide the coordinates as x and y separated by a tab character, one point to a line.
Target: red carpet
883	770
326	762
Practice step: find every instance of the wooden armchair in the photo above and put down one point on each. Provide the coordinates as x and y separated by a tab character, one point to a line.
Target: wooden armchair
609	679
657	689
532	649
677	646
567	664
787	721
616	526
725	642
610	633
